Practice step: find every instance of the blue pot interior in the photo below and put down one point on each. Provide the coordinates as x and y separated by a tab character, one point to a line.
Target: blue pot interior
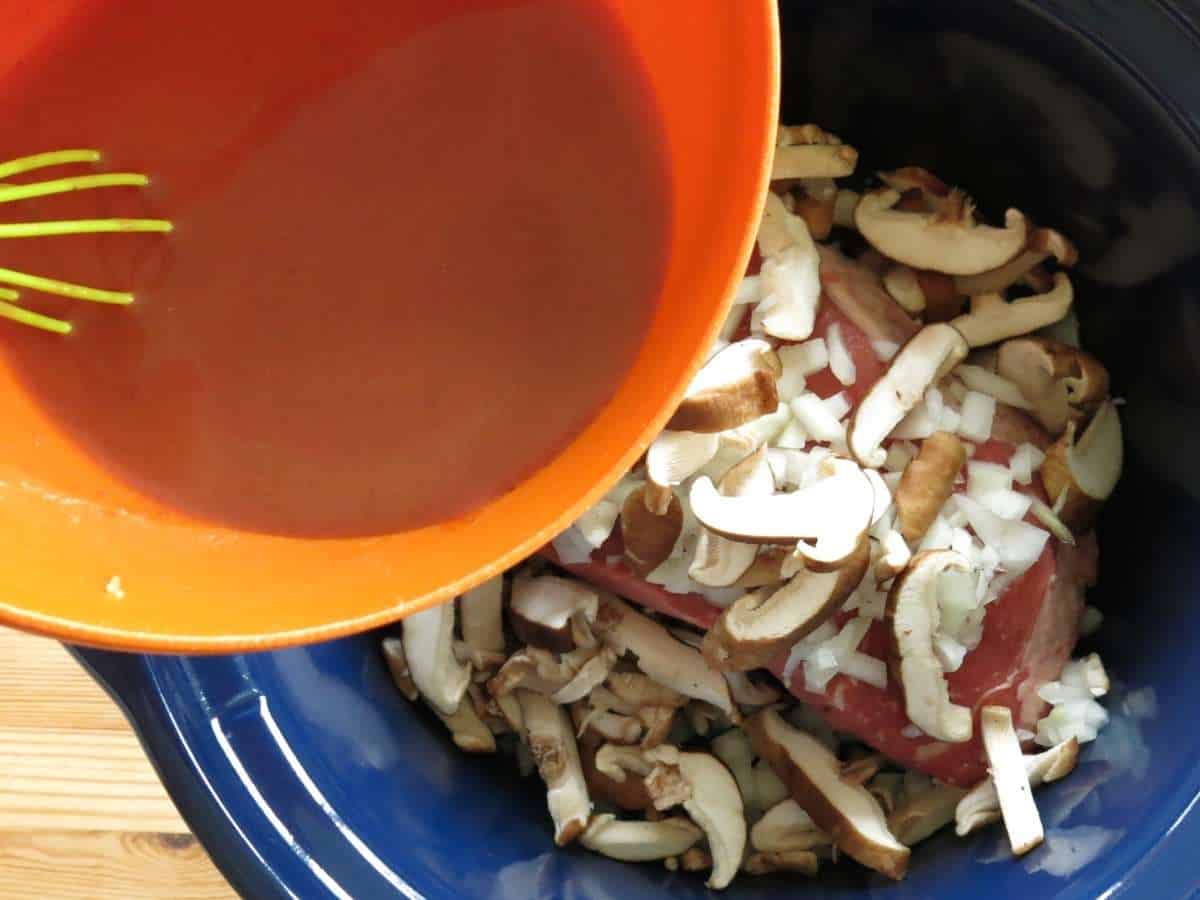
308	775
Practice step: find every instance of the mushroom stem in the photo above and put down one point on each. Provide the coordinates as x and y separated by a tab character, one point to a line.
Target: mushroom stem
551	741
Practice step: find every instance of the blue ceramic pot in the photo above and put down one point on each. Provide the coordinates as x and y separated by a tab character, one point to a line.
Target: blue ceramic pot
306	775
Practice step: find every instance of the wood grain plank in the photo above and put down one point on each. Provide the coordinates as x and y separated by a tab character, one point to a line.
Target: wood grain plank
54	780
64	865
41	684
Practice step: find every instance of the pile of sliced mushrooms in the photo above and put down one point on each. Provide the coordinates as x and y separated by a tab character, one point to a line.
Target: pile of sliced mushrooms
658	742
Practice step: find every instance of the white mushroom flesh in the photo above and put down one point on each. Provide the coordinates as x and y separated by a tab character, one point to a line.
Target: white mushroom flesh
634	841
551	740
428	638
933	352
715	804
1011	779
915	617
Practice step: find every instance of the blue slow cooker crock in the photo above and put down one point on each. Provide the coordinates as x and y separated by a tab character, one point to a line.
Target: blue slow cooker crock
306	775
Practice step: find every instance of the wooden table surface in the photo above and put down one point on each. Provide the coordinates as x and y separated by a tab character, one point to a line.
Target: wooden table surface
82	813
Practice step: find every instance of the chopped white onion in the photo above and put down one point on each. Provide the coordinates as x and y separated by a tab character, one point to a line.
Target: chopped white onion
838	405
572	547
885	350
917	425
978	411
938	537
806	358
817	418
748	291
840	361
1026	460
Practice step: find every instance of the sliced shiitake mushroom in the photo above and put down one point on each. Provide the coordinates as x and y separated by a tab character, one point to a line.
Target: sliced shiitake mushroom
393	655
548	611
993	319
913	616
920	816
831	513
662	657
948	240
674	457
848	813
932	352
786	826
736	386
1041	245
719	562
806	151
981	806
428	639
1061	383
551	740
481	620
639	841
927	483
759	626
1080	475
713	802
790	276
1011	779
649	537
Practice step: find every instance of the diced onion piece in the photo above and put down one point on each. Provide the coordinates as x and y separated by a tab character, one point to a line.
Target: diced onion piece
1026	460
748	291
988	382
793	437
817	419
978	411
885	350
899	455
841	363
807	358
838	405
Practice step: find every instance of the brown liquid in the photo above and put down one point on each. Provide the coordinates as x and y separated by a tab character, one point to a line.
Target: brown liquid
418	244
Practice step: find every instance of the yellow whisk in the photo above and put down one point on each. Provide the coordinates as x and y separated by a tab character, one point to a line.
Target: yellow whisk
10	307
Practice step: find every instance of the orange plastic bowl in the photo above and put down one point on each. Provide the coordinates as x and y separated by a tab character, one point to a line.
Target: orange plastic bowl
69	531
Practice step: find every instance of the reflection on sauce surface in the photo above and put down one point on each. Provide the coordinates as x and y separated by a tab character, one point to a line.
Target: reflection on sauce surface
417	246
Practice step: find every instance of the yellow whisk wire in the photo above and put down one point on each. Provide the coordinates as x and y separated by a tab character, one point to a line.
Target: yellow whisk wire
46	160
11	193
83	226
64	288
26	317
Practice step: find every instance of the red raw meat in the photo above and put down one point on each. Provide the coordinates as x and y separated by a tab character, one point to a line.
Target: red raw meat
1028	632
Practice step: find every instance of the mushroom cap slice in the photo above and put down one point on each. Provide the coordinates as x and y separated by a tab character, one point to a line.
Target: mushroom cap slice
832	513
662	657
927	482
848	813
714	803
941	241
760	626
1011	780
790	276
786	826
981	805
551	740
914	616
428	639
718	561
813	161
468	731
1042	243
639	841
1058	381
736	386
542	610
481	616
930	354
393	655
918	817
1084	473
994	319
676	456
649	538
